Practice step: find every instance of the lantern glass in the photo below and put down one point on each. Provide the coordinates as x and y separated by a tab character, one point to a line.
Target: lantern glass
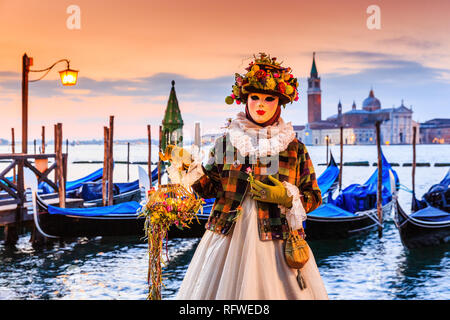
68	77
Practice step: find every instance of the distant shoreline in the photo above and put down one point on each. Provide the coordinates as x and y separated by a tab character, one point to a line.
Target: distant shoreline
4	142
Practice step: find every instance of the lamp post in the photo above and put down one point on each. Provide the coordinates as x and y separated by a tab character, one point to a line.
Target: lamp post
68	78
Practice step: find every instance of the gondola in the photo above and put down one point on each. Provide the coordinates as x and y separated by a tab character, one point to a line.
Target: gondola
428	224
117	220
354	211
329	222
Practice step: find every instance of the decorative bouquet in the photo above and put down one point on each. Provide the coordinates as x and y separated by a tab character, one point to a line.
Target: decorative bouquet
170	204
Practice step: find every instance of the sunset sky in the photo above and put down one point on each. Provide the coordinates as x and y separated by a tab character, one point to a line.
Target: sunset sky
129	51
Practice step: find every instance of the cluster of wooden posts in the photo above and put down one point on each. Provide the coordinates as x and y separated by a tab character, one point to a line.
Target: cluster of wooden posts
13	216
108	161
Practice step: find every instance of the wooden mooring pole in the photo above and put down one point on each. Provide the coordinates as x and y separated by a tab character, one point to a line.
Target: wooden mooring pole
159	159
149	164
26	63
128	162
60	166
413	175
341	157
327	138
380	182
43	140
111	161
105	165
13	150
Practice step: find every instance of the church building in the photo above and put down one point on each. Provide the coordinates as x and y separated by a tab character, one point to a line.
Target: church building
358	124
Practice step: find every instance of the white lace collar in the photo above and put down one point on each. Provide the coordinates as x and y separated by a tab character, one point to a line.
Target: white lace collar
251	139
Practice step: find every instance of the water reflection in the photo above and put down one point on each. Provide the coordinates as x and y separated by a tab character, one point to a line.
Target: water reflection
364	267
421	269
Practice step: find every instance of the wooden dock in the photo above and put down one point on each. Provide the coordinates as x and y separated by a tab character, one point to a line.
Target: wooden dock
14	215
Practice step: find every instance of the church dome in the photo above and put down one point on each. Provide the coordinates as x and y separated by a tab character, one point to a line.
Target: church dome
371	103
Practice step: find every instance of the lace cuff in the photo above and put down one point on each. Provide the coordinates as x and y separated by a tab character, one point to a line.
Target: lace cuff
296	214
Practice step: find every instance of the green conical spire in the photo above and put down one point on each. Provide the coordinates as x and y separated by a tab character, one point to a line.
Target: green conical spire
314	72
172	122
172	117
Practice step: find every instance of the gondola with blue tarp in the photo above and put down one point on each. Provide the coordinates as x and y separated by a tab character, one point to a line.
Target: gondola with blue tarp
354	211
117	220
428	224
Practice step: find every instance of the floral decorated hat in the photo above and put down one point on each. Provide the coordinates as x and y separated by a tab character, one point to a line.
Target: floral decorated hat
265	75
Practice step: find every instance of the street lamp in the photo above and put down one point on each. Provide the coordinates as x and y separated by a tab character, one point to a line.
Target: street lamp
68	78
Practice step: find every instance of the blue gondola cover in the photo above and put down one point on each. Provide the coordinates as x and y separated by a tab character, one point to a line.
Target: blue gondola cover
357	197
130	208
128	186
327	178
329	210
431	214
75	184
93	190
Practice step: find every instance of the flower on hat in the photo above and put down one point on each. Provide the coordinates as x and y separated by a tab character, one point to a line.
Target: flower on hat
281	87
236	91
271	84
229	100
289	89
260	74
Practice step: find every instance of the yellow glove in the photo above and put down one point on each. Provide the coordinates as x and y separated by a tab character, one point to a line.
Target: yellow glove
273	194
177	156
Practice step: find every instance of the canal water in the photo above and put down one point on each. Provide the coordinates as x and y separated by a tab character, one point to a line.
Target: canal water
365	267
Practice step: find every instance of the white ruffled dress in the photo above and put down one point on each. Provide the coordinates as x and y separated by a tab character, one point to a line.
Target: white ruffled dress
241	266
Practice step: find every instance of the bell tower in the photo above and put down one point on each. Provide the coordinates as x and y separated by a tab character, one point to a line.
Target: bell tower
314	94
172	123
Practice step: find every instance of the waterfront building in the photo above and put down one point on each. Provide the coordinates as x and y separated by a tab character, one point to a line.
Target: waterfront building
435	131
358	124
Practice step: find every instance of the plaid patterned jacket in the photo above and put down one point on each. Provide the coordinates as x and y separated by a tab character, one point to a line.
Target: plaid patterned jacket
227	182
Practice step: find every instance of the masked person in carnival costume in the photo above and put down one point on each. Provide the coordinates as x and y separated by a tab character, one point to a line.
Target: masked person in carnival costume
264	184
